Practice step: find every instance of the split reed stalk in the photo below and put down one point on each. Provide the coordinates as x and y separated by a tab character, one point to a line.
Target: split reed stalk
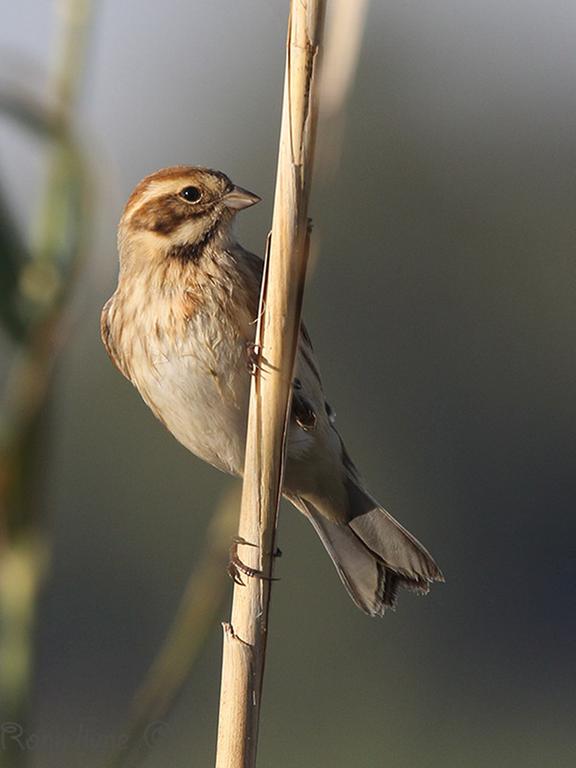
277	336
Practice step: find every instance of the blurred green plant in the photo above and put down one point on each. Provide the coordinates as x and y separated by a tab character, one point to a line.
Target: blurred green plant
36	281
12	255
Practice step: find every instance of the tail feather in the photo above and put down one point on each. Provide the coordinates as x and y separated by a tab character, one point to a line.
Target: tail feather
373	554
396	547
368	582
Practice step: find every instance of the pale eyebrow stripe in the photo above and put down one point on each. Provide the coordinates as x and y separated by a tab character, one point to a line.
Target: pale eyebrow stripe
156	189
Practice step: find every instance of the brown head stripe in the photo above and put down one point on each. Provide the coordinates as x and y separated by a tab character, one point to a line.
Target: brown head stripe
164	214
184	172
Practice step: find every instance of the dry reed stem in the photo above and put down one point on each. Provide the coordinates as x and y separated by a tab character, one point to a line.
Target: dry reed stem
345	28
277	335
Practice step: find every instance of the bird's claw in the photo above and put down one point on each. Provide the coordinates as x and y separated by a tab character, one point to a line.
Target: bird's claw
236	567
254	352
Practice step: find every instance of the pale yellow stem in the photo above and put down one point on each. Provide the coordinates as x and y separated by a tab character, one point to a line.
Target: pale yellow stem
278	331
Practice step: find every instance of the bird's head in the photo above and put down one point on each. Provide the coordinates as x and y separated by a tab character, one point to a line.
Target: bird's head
179	211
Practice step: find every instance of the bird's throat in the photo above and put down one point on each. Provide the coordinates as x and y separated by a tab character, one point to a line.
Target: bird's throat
194	251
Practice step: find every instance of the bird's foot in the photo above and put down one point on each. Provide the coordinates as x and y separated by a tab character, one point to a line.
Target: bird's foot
254	362
236	567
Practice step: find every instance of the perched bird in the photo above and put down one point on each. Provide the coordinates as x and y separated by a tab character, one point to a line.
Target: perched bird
178	327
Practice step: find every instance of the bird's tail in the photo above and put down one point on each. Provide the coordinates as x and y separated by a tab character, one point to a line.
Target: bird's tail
373	554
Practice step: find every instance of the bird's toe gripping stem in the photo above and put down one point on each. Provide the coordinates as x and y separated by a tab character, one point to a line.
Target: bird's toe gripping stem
254	358
236	567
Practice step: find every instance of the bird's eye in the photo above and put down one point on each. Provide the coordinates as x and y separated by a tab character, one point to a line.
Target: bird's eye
191	194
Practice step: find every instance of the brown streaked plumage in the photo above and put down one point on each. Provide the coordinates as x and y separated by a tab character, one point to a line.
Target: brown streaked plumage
178	327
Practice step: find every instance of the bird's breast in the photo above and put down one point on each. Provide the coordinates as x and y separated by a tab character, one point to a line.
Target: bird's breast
188	361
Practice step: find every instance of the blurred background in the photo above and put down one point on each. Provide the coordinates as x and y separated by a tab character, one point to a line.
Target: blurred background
442	308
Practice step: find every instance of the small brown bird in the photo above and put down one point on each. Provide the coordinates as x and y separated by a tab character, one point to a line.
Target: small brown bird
178	327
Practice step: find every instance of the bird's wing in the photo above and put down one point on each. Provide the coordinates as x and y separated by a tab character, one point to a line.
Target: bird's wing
309	404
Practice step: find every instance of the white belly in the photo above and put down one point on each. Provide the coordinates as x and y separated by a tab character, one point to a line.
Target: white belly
200	390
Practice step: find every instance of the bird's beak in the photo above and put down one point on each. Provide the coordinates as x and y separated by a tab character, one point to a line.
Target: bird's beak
239	198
